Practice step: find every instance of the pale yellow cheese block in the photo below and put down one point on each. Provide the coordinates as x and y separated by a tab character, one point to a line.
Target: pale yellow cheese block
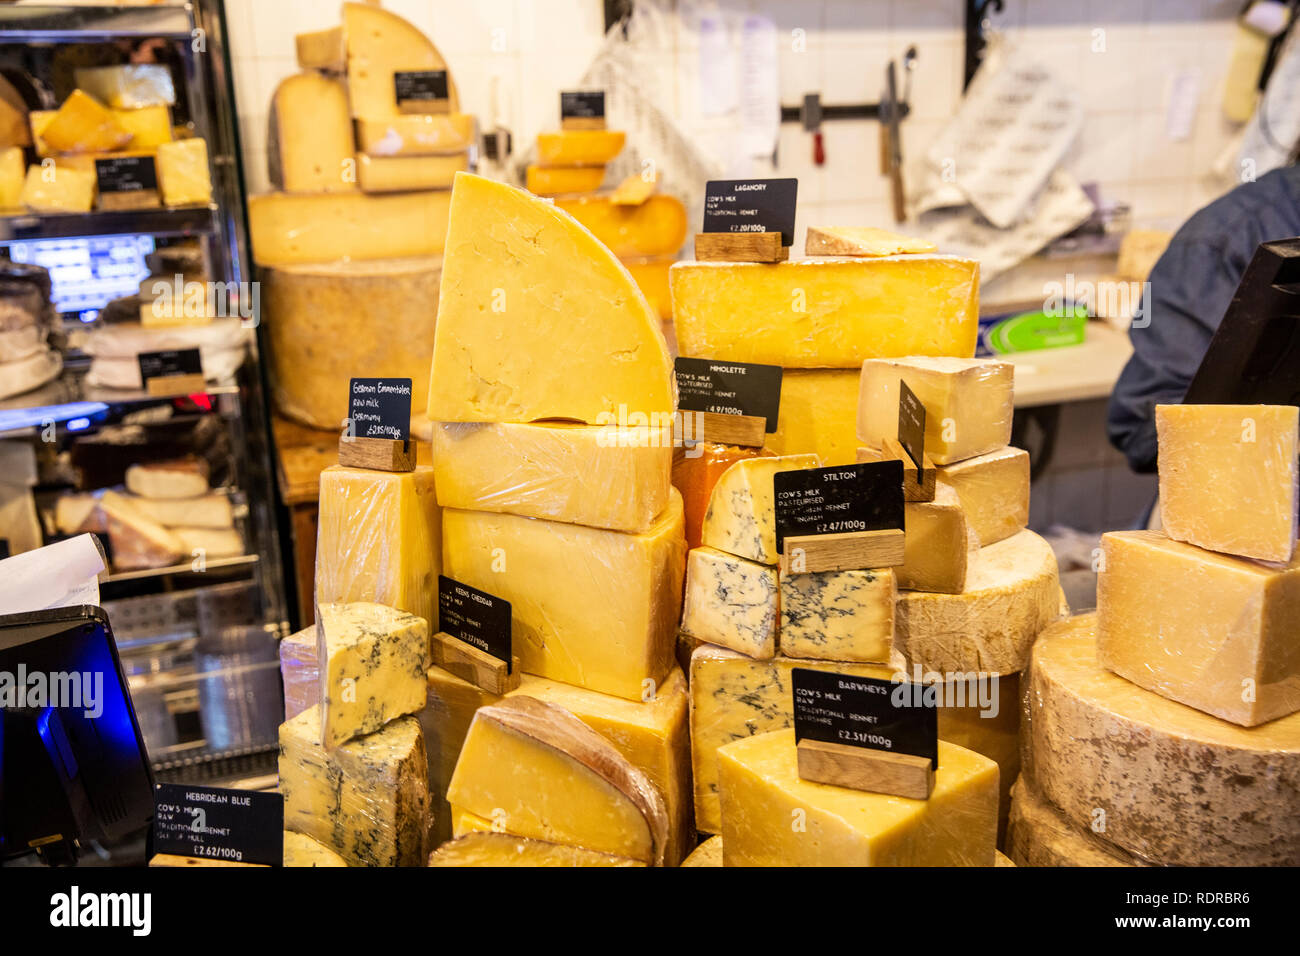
52	189
129	85
183	172
993	490
579	147
968	403
379	539
826	312
395	174
1012	593
1177	786
589	607
1229	479
448	712
819	415
1213	631
380	44
838	615
300	850
322	50
938	545
289	229
549	776
12	172
149	126
39	119
83	125
861	241
328	321
502	849
310	143
602	476
652	734
656	227
708	853
1002	860
416	134
741	519
583	343
731	602
563	180
1039	835
772	817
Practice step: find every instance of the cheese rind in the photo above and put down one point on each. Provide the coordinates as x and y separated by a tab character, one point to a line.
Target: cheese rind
1229	477
579	147
589	607
372	661
183	172
379	45
562	180
396	174
1223	637
1012	593
762	794
149	126
826	313
993	490
138	542
968	403
1039	835
503	849
819	415
415	134
731	602
602	476
379	537
741	519
550	777
301	850
938	544
288	229
583	343
1177	786
311	142
657	227
838	615
861	241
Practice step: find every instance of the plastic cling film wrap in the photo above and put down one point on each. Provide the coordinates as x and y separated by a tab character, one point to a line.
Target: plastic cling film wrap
416	134
695	475
1168	783
602	476
579	147
379	539
183	172
83	125
968	403
546	775
328	321
502	849
761	787
1038	835
826	312
300	672
1209	630
1229	478
657	227
367	799
993	490
1012	593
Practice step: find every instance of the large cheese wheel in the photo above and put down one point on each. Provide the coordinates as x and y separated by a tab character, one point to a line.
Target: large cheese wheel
330	322
1040	836
1177	786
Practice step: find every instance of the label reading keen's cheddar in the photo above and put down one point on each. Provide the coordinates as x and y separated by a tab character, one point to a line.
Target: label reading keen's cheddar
475	617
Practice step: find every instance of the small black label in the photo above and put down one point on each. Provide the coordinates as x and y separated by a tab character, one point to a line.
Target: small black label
838	500
169	364
420	85
209	823
476	617
911	426
4	548
751	205
126	174
582	104
380	408
729	388
865	712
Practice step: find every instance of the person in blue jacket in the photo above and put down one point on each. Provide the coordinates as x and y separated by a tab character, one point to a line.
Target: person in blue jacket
1190	289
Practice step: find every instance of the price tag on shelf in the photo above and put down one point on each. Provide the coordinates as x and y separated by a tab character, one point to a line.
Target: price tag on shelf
865	712
738	402
127	182
171	372
751	205
421	91
911	424
838	500
479	619
582	104
211	823
380	408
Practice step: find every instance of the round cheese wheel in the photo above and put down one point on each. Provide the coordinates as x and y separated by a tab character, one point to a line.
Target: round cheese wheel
1040	836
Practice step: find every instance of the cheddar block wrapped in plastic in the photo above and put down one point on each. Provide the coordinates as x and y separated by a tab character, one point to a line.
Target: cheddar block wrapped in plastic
129	86
708	853
826	312
657	227
367	799
328	320
1229	479
379	539
1012	593
993	490
1210	630
416	134
968	403
602	476
1039	835
1169	779
546	775
579	147
300	671
761	789
502	849
696	471
296	229
300	850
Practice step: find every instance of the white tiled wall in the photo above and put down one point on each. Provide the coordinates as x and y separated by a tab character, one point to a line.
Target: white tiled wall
1121	54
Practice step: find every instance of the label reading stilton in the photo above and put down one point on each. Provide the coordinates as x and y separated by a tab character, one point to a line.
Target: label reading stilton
169	364
729	388
419	86
751	205
838	500
865	712
237	826
582	104
380	408
475	617
126	174
911	425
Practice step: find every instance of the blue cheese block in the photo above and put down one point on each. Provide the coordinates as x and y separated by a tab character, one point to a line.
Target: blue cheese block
741	519
838	615
731	602
372	660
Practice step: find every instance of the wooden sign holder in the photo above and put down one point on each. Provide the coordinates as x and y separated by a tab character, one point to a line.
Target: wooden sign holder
740	247
858	768
582	122
747	430
425	107
474	665
914	488
849	551
379	454
168	385
130	199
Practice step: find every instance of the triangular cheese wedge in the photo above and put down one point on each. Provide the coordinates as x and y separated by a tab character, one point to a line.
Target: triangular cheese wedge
380	44
538	320
863	241
741	519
